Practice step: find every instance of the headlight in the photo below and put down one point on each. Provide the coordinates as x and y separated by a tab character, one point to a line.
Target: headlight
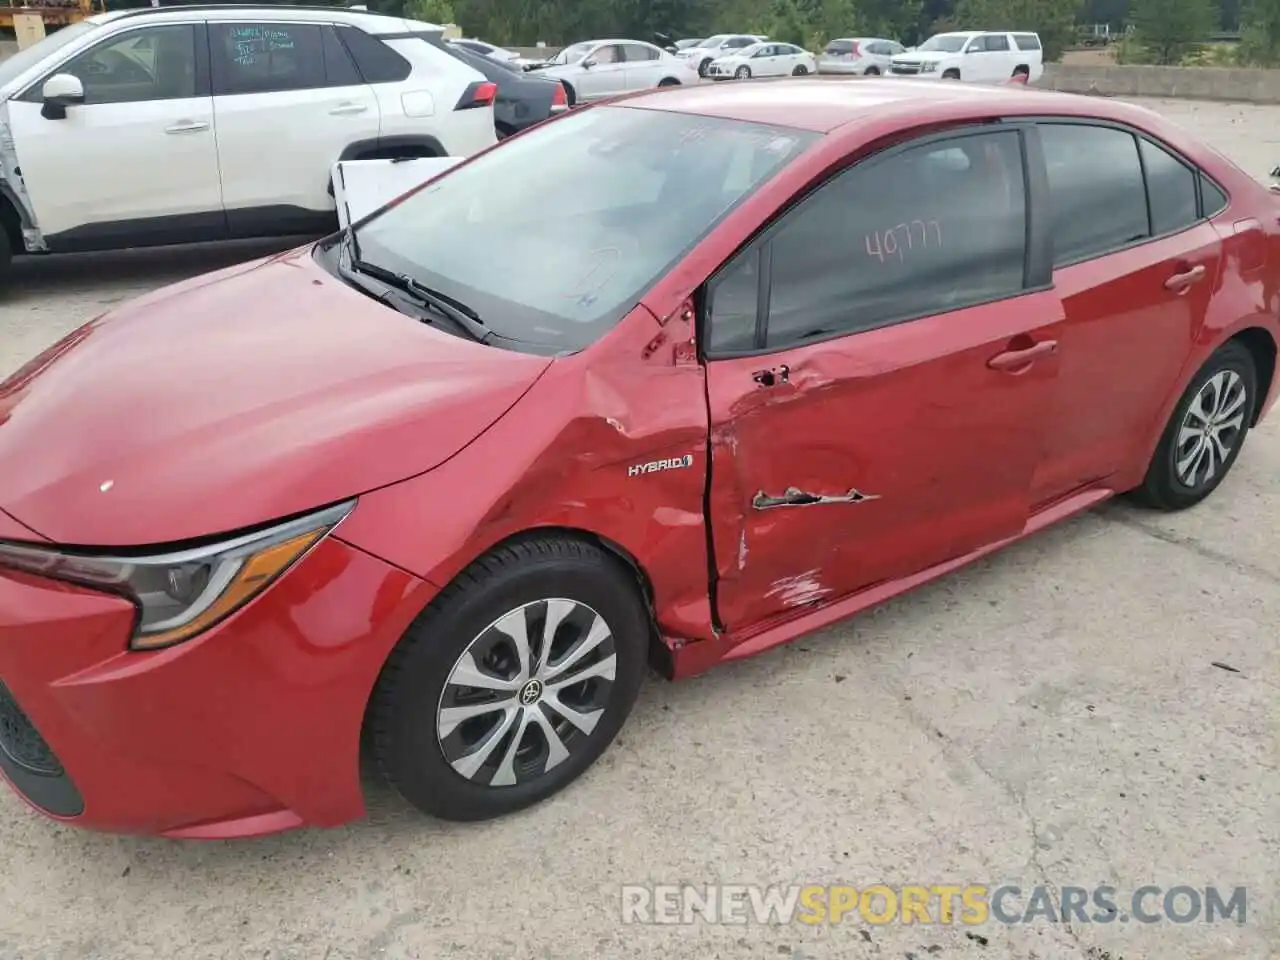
929	66
182	593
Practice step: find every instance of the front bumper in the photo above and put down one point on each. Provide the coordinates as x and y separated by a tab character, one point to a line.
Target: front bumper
250	728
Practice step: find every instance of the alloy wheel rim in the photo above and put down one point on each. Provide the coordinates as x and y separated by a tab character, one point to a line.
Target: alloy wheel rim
527	692
1211	429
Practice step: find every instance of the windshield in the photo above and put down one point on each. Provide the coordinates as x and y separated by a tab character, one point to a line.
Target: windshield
24	60
943	43
686	44
554	236
574	53
712	42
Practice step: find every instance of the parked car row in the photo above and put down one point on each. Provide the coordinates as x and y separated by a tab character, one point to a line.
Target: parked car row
978	56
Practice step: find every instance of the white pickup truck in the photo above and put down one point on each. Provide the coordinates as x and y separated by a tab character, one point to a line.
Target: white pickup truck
976	56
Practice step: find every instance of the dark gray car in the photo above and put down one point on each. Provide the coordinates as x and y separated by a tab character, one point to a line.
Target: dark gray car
523	98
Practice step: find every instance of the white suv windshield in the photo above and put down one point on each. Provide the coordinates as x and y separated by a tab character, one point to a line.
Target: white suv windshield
24	60
943	43
712	42
553	237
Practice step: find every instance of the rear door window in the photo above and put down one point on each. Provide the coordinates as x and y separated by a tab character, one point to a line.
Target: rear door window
995	42
1096	190
1171	189
266	57
1026	41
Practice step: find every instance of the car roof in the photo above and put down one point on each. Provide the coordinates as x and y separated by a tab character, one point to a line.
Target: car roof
368	20
822	105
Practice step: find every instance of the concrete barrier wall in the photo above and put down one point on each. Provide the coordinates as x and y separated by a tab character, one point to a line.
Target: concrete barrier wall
1190	83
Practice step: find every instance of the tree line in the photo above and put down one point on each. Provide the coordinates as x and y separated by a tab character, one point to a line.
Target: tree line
1159	31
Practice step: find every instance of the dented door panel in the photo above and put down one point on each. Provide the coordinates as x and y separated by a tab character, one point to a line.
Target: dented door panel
877	455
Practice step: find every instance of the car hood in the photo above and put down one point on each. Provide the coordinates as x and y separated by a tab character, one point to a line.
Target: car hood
250	394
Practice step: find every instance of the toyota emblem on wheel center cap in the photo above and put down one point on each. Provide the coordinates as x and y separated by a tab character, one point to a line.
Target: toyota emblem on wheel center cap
531	693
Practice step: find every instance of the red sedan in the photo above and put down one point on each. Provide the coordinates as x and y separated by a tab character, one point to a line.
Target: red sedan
671	379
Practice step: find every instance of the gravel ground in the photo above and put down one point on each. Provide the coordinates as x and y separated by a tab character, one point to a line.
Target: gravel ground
1051	715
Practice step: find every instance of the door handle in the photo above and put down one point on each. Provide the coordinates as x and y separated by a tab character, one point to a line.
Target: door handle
187	126
1015	361
1181	282
347	109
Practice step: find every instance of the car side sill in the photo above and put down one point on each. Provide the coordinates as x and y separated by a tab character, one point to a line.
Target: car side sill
693	658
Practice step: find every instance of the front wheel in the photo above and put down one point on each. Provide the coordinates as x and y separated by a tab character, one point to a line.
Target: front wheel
1203	437
702	67
950	74
513	681
742	73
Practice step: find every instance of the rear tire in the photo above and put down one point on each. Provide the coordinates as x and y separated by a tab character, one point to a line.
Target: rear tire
6	252
1022	70
800	70
668	82
478	712
872	72
1206	432
570	94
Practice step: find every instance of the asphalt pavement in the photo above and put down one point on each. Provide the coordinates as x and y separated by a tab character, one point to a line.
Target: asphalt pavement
1097	705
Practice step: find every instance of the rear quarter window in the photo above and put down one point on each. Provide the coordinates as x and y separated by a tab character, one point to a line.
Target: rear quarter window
376	62
1026	41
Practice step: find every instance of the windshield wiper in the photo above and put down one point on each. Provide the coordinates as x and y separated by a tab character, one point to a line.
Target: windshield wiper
453	310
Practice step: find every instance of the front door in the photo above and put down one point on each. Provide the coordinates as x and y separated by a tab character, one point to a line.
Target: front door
137	161
606	76
288	101
877	373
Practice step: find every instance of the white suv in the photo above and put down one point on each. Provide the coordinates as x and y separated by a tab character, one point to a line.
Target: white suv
978	56
196	123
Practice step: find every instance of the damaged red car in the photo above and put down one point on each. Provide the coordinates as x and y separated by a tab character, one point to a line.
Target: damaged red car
671	379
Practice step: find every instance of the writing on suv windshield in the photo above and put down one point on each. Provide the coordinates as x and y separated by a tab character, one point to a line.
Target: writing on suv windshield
554	236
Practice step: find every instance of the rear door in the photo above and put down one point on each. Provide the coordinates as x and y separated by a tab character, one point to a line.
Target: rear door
878	365
642	66
1136	262
287	102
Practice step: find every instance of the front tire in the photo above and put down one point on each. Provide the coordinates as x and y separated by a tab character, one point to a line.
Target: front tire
742	73
1204	435
513	681
952	74
702	67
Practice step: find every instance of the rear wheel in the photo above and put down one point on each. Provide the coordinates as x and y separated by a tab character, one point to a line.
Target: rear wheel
668	82
513	681
1203	437
570	94
743	73
800	70
873	71
6	251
